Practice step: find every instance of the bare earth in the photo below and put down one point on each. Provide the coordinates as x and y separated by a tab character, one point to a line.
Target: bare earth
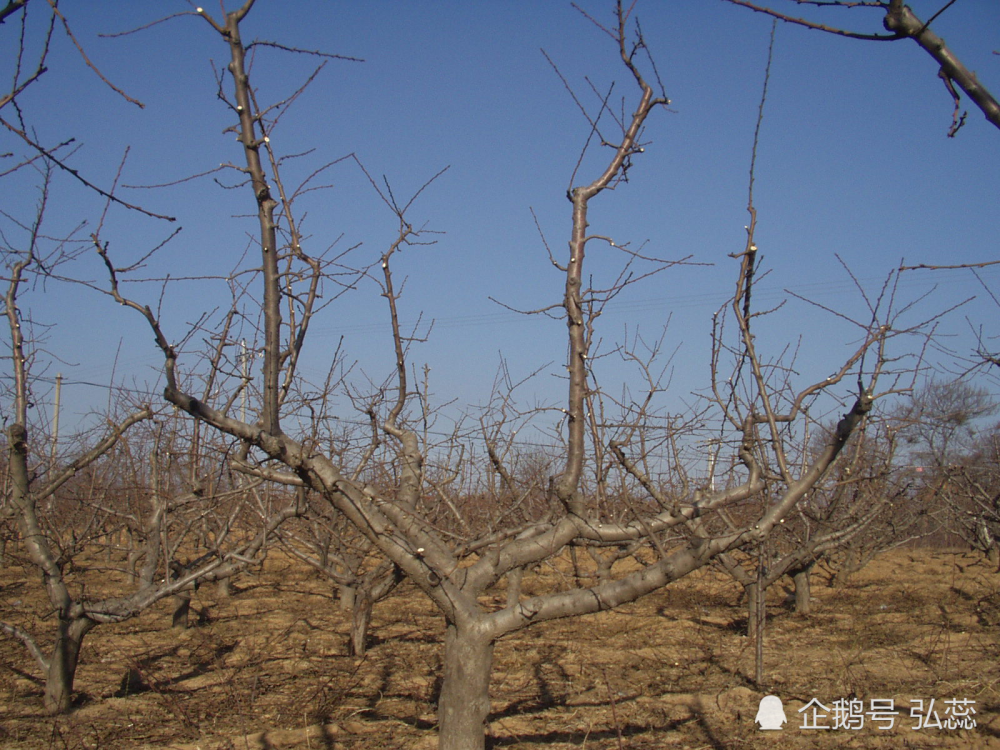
267	668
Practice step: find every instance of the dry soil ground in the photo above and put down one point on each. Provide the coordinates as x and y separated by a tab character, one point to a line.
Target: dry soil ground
267	668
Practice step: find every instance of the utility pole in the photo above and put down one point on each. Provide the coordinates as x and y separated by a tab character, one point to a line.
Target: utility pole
712	457
244	367
55	422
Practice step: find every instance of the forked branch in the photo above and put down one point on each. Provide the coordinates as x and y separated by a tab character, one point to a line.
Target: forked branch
904	24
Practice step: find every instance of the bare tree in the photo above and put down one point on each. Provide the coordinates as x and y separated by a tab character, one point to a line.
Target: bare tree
155	495
954	454
906	519
942	421
27	489
851	497
131	520
972	492
859	509
454	564
105	527
326	541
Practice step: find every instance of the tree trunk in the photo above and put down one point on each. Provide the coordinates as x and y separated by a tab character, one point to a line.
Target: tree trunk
62	665
576	564
852	562
464	705
374	587
753	594
514	579
182	607
132	563
604	565
803	600
347	596
360	622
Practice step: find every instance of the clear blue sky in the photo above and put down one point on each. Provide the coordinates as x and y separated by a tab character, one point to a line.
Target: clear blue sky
853	161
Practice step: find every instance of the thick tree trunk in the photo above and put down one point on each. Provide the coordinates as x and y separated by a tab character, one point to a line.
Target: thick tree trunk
464	705
803	599
347	596
62	665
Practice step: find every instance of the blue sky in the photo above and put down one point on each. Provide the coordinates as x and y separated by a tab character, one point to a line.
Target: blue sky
853	161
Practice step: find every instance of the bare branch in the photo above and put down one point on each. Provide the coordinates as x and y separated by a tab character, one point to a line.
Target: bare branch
48	155
316	53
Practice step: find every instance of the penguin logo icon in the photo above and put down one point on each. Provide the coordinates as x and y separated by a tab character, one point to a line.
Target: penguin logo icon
770	714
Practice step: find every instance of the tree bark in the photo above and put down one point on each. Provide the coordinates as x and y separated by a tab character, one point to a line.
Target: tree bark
62	665
464	705
514	579
576	565
224	587
375	586
803	598
360	622
347	596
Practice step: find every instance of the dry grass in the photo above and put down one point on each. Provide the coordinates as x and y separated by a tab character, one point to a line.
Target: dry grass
267	668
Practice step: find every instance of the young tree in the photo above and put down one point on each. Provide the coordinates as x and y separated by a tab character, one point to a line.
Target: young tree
852	497
760	413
